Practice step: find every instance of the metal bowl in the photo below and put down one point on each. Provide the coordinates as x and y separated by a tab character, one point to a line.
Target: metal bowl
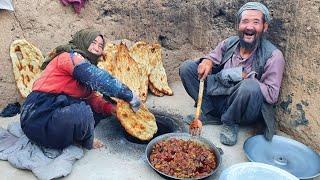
255	170
184	136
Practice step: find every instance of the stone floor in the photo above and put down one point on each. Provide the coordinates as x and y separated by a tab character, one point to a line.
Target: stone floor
122	159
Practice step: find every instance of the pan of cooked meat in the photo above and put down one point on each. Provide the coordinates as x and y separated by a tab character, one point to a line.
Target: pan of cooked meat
182	156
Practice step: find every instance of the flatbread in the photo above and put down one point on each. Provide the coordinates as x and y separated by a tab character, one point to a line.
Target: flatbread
158	79
140	53
155	91
141	124
26	63
149	58
155	55
108	59
128	72
118	62
158	76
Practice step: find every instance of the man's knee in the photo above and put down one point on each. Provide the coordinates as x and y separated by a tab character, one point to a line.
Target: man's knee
188	67
250	87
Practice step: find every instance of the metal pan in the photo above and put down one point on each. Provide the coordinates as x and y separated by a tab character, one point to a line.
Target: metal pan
183	136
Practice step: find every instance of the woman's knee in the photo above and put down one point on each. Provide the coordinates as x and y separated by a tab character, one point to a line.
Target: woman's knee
74	115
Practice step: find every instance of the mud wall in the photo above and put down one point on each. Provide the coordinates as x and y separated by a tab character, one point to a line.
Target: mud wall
186	30
298	110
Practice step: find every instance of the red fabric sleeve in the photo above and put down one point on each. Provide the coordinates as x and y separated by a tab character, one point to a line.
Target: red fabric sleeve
67	65
99	105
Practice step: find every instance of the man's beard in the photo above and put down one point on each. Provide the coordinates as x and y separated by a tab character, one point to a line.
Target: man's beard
250	45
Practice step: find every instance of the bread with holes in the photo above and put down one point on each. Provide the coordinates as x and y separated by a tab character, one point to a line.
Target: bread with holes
141	124
26	63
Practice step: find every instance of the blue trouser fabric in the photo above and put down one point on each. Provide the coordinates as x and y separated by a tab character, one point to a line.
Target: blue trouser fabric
58	120
242	105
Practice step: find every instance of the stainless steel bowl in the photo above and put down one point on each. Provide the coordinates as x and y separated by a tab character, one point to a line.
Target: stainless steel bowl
183	136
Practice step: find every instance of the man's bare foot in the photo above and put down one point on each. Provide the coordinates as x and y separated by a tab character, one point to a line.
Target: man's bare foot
97	144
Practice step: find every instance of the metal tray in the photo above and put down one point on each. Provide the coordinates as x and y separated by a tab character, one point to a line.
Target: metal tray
285	153
255	170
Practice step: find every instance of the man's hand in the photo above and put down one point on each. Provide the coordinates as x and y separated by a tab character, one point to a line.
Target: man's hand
195	127
204	68
251	75
135	103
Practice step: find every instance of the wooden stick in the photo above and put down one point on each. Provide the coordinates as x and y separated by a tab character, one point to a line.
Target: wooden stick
200	95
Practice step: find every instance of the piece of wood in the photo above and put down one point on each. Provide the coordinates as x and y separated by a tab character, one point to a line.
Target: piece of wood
200	95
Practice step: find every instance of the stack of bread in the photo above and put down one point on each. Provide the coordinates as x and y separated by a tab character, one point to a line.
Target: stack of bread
140	68
148	56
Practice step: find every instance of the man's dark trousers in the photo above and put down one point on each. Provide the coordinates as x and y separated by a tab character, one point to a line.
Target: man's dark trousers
242	106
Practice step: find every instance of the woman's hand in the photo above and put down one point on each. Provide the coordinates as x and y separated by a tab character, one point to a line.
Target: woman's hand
97	144
135	103
113	110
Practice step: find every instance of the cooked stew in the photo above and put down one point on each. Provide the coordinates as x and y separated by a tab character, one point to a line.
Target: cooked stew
182	158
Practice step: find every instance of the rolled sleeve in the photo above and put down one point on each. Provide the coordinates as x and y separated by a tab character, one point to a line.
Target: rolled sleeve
271	79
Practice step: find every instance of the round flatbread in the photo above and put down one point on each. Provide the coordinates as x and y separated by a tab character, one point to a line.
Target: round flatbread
26	62
141	124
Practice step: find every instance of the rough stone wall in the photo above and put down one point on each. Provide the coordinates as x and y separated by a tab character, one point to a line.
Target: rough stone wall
186	30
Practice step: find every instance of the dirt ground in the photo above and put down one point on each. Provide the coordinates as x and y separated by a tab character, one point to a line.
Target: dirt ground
186	30
119	153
